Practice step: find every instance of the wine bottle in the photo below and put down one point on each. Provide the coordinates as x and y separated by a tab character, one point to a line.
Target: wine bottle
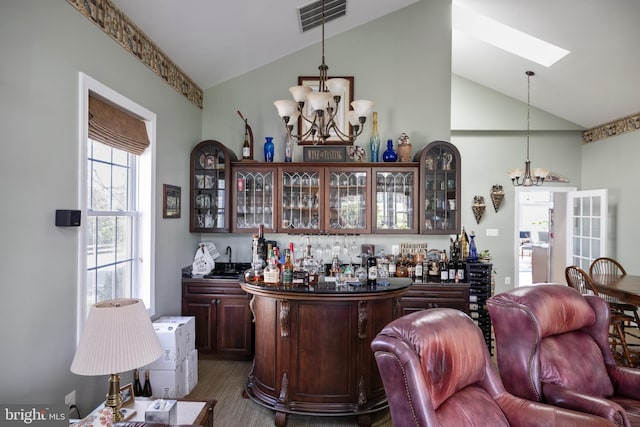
419	269
374	139
452	266
442	266
146	390
246	148
137	387
262	244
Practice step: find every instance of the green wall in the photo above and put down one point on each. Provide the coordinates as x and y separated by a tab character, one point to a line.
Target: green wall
45	44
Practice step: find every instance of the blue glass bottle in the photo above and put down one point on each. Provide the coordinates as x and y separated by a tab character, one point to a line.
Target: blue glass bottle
473	251
389	154
269	149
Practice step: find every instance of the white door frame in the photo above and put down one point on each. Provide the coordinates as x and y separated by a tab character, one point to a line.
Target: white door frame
517	225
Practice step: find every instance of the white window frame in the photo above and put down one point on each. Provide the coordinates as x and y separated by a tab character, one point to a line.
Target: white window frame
144	280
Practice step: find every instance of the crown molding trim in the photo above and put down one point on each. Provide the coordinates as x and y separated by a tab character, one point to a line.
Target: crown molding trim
615	127
121	29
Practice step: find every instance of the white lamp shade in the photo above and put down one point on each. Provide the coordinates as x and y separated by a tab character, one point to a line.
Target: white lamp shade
353	118
337	86
286	107
293	118
516	173
319	100
118	336
300	93
362	107
540	172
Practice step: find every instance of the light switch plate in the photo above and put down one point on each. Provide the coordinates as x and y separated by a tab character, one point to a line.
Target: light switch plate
492	232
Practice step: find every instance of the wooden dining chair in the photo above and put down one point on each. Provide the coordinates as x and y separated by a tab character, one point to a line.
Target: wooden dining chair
578	279
606	265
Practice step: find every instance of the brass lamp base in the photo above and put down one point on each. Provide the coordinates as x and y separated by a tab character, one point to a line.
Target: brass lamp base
113	398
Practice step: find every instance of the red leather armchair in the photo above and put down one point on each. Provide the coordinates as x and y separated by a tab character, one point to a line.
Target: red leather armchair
436	371
552	346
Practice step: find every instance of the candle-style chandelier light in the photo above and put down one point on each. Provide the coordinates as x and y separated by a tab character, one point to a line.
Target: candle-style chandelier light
528	177
319	110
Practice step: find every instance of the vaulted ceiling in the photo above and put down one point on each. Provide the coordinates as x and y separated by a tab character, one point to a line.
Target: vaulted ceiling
213	41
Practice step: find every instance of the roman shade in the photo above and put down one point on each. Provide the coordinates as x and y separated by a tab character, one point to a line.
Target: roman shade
115	128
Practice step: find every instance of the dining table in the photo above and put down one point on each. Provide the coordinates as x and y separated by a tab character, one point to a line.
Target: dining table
625	287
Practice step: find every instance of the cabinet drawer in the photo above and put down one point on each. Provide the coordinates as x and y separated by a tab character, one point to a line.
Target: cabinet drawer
212	289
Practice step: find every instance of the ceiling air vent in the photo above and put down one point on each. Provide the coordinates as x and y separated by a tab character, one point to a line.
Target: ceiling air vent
311	14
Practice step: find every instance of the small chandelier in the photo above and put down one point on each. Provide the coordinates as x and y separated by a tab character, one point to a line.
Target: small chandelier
324	108
528	177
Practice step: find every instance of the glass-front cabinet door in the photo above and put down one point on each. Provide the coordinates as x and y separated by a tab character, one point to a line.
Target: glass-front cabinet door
301	200
440	169
253	198
209	195
396	195
349	199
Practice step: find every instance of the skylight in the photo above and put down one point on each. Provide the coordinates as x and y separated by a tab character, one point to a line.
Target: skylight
504	37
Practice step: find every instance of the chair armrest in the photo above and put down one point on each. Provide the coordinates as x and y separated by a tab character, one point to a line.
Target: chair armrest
566	398
528	413
626	381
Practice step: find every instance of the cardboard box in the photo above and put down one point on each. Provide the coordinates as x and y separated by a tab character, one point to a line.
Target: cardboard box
162	411
172	341
167	384
191	370
190	329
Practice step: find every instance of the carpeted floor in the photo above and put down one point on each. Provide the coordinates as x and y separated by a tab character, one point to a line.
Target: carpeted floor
225	381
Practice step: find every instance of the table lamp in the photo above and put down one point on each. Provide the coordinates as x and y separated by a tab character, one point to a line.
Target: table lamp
118	336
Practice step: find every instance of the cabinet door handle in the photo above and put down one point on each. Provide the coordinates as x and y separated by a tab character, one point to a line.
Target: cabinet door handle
215	301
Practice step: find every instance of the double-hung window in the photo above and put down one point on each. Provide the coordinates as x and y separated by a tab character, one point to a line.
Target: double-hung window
116	244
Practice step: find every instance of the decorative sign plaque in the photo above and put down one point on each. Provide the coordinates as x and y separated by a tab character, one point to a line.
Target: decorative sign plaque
324	154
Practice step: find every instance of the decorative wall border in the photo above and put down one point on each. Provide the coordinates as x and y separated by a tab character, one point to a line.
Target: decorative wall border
120	28
612	128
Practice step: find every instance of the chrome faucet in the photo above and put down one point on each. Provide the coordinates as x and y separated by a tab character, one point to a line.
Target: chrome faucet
228	252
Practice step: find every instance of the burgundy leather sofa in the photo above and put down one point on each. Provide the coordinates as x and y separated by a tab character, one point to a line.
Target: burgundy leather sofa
552	346
437	371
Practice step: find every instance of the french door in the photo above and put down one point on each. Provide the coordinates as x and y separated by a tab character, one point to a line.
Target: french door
587	213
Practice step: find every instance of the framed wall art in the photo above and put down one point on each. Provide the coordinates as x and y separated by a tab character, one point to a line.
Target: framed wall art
170	201
342	115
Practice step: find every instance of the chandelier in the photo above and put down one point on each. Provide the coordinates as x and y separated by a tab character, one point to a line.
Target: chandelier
528	177
319	110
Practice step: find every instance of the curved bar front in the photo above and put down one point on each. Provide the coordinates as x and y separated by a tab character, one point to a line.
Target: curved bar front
312	348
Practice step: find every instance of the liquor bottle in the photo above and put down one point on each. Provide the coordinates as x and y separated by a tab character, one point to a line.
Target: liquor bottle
372	271
137	387
309	264
433	271
374	139
389	154
256	273
271	271
246	148
443	268
411	267
287	269
419	268
392	266
146	390
262	245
